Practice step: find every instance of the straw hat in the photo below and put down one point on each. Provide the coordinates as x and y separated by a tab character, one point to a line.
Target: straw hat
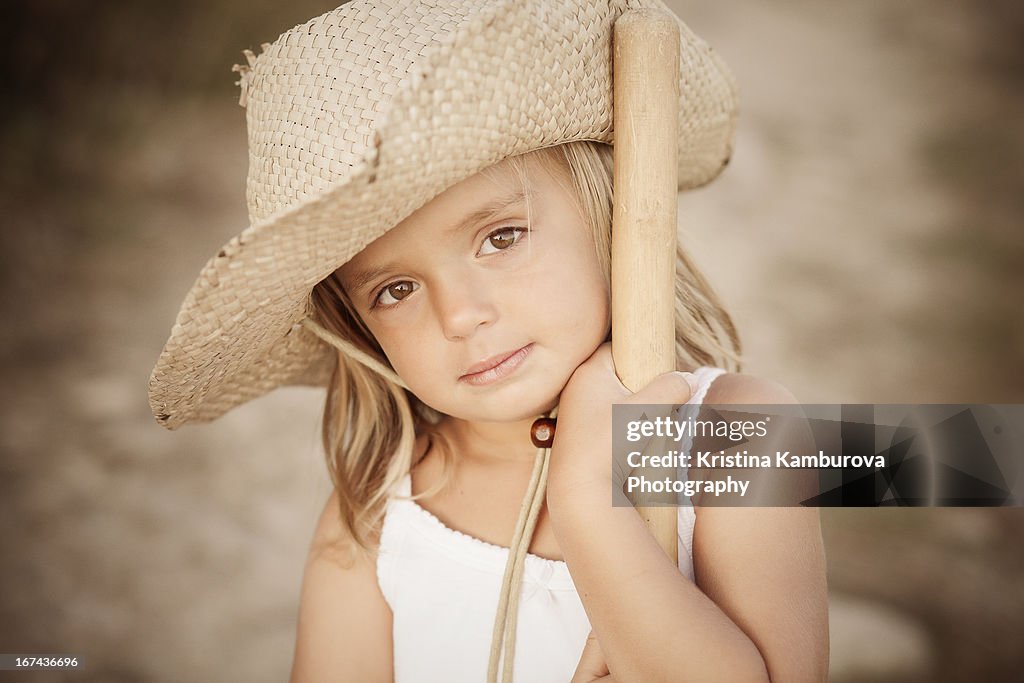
359	117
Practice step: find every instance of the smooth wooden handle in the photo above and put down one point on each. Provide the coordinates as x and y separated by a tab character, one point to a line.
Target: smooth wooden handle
644	220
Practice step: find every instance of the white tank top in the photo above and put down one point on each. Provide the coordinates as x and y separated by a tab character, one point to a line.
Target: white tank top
442	587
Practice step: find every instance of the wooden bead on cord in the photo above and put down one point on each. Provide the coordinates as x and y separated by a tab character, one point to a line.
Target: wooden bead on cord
542	433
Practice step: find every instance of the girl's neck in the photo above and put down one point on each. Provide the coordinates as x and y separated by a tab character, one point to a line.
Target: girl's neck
494	443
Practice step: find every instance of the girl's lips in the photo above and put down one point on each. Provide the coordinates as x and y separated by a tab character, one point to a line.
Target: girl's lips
500	370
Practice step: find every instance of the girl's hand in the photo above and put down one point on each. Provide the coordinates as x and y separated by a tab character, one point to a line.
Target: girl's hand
592	667
581	451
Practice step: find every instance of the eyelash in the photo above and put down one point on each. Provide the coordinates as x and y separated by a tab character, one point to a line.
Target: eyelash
519	231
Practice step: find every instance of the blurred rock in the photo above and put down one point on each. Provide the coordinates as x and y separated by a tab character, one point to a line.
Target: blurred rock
872	642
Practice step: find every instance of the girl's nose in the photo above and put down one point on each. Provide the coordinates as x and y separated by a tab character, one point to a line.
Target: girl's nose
462	306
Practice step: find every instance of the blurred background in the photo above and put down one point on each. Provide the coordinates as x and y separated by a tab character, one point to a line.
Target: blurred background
867	237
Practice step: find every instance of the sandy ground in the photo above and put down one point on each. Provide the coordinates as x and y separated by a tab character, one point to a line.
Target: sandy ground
866	236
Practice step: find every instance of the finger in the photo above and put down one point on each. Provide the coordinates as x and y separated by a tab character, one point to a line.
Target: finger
601	359
596	376
591	666
670	387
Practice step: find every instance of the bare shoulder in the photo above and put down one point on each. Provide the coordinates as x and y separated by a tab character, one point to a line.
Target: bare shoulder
738	388
344	630
765	567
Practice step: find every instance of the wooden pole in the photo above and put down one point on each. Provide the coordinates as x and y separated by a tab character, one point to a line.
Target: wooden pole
644	220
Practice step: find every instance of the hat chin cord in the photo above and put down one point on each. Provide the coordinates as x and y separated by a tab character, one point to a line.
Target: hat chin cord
542	434
350	350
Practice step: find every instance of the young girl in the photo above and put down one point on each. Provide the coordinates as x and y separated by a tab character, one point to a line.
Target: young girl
430	190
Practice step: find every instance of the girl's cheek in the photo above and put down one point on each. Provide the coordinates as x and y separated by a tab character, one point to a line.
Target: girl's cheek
386	332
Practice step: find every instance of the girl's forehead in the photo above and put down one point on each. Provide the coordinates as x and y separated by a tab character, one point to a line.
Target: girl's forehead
502	186
523	173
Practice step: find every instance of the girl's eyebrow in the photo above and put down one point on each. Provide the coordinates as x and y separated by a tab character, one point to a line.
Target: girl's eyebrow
488	211
361	279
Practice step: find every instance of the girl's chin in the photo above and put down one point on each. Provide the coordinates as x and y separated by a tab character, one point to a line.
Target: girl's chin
503	409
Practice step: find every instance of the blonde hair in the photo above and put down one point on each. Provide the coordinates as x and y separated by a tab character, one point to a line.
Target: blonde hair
370	423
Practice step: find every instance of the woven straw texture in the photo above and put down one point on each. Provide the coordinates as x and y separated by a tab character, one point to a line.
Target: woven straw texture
361	116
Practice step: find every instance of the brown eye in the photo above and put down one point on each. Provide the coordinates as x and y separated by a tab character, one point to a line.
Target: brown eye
502	239
395	292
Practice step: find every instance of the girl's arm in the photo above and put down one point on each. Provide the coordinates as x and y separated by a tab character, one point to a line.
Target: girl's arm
344	631
759	609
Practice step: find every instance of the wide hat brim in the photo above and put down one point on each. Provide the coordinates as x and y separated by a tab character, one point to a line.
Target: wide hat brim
496	80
